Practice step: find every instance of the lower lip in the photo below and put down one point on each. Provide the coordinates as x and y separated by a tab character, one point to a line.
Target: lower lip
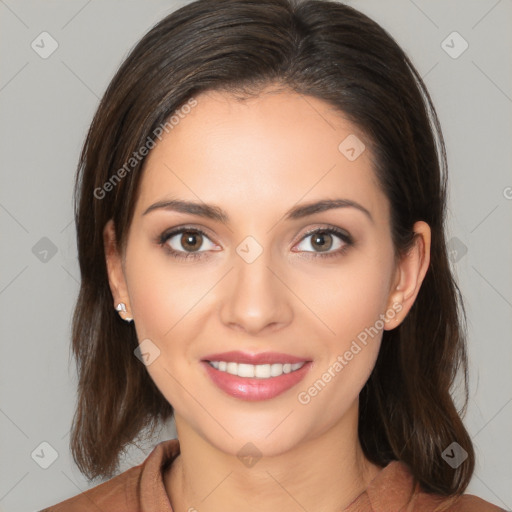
253	389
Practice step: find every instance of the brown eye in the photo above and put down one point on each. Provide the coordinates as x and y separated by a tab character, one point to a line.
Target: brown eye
323	240
184	242
191	240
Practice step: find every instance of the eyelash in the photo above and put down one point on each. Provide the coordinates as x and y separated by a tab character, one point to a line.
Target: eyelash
183	255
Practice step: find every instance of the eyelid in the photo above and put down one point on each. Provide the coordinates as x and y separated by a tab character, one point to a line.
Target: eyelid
205	231
172	232
328	228
338	232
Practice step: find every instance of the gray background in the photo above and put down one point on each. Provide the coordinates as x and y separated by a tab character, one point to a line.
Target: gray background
46	106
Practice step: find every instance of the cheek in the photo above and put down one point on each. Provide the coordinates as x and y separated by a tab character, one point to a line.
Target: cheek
347	356
348	298
162	291
351	306
162	294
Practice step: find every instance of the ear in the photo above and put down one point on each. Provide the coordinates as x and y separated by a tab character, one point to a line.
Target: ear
115	270
409	276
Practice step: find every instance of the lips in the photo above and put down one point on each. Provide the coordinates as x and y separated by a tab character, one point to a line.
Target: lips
253	388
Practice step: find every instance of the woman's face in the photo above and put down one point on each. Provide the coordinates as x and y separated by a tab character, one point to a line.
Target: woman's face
256	281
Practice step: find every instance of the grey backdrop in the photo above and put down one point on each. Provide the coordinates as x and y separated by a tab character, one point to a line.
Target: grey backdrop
57	58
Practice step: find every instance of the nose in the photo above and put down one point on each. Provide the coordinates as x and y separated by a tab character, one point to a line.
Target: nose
256	300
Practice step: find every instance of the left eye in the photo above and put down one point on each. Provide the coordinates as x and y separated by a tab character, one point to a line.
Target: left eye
322	240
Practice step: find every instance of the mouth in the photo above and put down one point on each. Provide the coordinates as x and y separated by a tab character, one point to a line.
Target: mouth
255	376
258	371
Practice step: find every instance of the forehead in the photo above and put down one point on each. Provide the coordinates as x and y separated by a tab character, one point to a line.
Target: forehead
277	148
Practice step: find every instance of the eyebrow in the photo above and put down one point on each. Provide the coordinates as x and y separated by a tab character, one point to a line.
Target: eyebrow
214	212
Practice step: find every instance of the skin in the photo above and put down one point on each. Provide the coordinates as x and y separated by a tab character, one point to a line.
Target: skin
256	159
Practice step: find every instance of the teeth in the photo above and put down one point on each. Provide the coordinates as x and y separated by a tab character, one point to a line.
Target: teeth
260	371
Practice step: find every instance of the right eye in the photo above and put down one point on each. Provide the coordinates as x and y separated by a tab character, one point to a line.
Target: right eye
191	238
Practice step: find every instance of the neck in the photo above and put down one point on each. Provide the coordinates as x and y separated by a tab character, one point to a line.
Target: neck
323	473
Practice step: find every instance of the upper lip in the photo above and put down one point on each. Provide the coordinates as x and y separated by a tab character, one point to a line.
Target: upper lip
260	358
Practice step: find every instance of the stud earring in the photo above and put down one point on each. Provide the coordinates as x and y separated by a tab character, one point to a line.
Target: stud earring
121	307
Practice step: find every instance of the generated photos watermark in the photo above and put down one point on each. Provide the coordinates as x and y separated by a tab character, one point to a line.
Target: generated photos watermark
138	156
305	397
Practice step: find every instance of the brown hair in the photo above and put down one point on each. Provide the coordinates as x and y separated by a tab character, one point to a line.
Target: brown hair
332	52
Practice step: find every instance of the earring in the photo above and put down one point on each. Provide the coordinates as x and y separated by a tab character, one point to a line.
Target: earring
121	307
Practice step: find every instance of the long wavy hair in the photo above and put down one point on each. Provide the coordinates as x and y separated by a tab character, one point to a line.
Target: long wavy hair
318	48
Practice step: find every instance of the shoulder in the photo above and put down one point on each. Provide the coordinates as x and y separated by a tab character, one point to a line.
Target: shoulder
426	502
138	488
393	490
464	503
470	503
114	495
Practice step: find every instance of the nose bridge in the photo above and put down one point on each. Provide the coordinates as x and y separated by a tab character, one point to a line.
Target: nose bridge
256	298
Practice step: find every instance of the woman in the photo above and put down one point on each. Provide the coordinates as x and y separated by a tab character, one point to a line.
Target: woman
260	210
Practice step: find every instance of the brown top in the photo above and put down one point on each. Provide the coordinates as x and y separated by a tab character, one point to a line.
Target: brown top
141	489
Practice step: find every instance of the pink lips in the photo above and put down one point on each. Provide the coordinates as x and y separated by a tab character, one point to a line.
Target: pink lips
254	389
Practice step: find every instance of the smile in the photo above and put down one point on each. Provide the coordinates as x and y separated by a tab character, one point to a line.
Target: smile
255	376
259	371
